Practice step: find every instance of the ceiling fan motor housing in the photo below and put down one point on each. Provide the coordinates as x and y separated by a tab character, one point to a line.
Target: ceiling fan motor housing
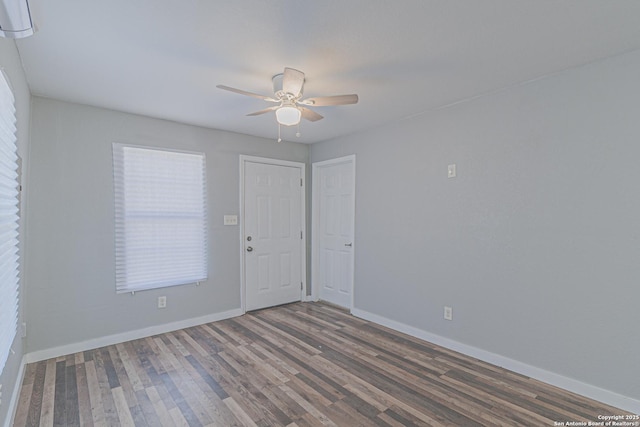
279	91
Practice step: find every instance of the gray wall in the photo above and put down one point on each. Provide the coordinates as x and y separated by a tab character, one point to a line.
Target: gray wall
536	243
71	288
12	67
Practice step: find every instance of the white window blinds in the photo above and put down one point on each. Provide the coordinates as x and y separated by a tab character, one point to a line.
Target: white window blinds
160	218
8	222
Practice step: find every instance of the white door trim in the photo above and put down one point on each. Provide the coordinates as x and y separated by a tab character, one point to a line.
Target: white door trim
315	215
303	267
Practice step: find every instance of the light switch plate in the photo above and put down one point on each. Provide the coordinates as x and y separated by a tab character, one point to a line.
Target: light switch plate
231	220
451	171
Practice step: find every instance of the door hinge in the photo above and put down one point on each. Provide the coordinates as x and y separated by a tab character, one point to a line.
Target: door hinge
301	285
300	182
300	235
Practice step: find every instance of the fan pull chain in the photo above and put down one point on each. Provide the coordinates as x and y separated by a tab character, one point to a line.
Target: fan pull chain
298	132
279	139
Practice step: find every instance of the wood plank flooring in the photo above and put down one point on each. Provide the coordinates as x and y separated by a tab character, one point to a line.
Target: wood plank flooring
303	364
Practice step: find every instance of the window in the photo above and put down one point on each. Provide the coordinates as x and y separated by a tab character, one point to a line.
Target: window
160	218
8	222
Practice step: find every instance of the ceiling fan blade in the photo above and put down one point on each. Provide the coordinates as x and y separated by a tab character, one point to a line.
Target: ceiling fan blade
244	92
310	115
292	81
324	101
266	110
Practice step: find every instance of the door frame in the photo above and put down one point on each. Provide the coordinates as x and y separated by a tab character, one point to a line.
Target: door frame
315	222
303	223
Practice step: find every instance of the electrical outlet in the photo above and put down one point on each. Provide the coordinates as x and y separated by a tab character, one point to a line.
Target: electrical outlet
448	313
162	302
451	171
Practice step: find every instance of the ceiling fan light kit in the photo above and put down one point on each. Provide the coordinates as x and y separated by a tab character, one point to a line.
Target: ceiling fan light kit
288	88
288	115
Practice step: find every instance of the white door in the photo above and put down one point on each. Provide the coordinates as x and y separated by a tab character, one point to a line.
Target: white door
334	203
273	231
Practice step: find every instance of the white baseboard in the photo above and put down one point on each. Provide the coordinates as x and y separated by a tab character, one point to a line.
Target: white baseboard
91	344
13	403
587	390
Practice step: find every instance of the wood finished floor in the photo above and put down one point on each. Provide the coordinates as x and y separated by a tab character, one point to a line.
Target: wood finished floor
304	364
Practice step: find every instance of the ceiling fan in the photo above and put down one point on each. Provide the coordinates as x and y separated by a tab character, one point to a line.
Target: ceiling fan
291	108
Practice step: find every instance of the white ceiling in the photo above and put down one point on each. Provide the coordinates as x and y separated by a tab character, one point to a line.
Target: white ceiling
163	58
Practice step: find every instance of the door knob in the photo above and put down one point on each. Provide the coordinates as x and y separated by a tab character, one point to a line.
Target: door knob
348	244
249	248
